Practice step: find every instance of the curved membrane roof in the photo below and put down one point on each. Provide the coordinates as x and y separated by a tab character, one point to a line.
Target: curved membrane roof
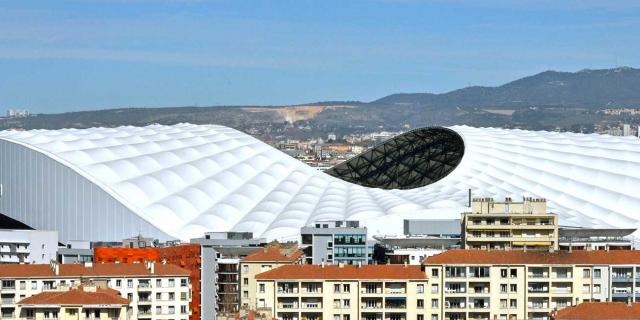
187	179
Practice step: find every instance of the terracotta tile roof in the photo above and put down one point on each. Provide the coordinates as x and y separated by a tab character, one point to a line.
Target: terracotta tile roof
534	257
96	270
347	272
274	253
75	297
600	311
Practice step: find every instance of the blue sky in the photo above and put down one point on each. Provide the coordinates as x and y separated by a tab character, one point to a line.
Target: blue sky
61	55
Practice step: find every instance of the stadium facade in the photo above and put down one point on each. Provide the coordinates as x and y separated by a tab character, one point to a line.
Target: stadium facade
176	182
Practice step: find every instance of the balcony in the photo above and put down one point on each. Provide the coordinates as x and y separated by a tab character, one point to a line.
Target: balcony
144	286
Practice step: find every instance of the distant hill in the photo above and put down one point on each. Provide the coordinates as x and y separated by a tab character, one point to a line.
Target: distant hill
585	88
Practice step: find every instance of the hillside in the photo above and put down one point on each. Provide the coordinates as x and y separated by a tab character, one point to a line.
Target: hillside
585	88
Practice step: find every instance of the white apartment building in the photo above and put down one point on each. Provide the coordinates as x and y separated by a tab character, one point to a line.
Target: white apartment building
155	290
28	246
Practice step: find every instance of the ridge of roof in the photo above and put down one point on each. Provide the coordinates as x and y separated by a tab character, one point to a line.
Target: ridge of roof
75	296
93	270
346	272
492	257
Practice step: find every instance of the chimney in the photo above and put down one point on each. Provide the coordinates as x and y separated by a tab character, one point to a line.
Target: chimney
322	264
151	266
340	264
88	264
359	264
405	264
55	266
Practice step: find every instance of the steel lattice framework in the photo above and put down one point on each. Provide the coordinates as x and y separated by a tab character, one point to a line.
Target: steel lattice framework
411	160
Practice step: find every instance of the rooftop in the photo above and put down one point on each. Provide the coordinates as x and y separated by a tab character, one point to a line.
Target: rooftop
90	270
493	257
600	311
78	296
346	272
275	253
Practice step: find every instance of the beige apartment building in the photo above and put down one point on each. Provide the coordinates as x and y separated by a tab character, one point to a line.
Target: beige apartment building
344	292
514	284
154	290
259	261
509	225
84	302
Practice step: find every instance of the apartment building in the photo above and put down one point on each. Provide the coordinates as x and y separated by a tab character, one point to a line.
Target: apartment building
83	302
336	241
259	261
155	290
515	284
509	225
28	246
343	292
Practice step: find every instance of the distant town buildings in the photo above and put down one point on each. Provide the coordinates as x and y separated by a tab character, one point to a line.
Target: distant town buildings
16	113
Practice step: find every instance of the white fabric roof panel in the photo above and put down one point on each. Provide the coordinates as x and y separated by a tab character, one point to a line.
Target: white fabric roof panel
187	179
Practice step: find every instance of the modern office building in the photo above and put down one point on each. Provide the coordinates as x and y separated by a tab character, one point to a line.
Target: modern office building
329	241
179	181
75	252
154	290
28	246
509	224
422	238
343	292
516	284
259	261
595	239
82	302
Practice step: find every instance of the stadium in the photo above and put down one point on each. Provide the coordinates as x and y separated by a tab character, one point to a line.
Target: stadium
178	181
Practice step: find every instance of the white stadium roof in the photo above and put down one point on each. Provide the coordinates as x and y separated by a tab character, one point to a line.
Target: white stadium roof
182	180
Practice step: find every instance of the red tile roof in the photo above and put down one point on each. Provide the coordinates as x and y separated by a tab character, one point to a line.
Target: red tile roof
600	311
274	253
96	270
347	272
534	257
75	297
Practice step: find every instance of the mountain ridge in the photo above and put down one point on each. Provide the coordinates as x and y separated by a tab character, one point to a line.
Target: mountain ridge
585	88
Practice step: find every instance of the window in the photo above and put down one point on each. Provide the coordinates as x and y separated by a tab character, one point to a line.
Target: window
513	303
183	296
513	273
159	283
513	288
596	288
245	281
346	288
130	283
158	296
434	317
336	288
172	283
158	310
586	273
503	303
329	244
420	317
434	273
172	296
245	294
420	288
597	273
434	303
586	288
346	303
336	303
503	288
183	309
245	268
34	285
503	273
345	317
434	288
184	282
96	314
420	303
261	288
172	309
336	317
